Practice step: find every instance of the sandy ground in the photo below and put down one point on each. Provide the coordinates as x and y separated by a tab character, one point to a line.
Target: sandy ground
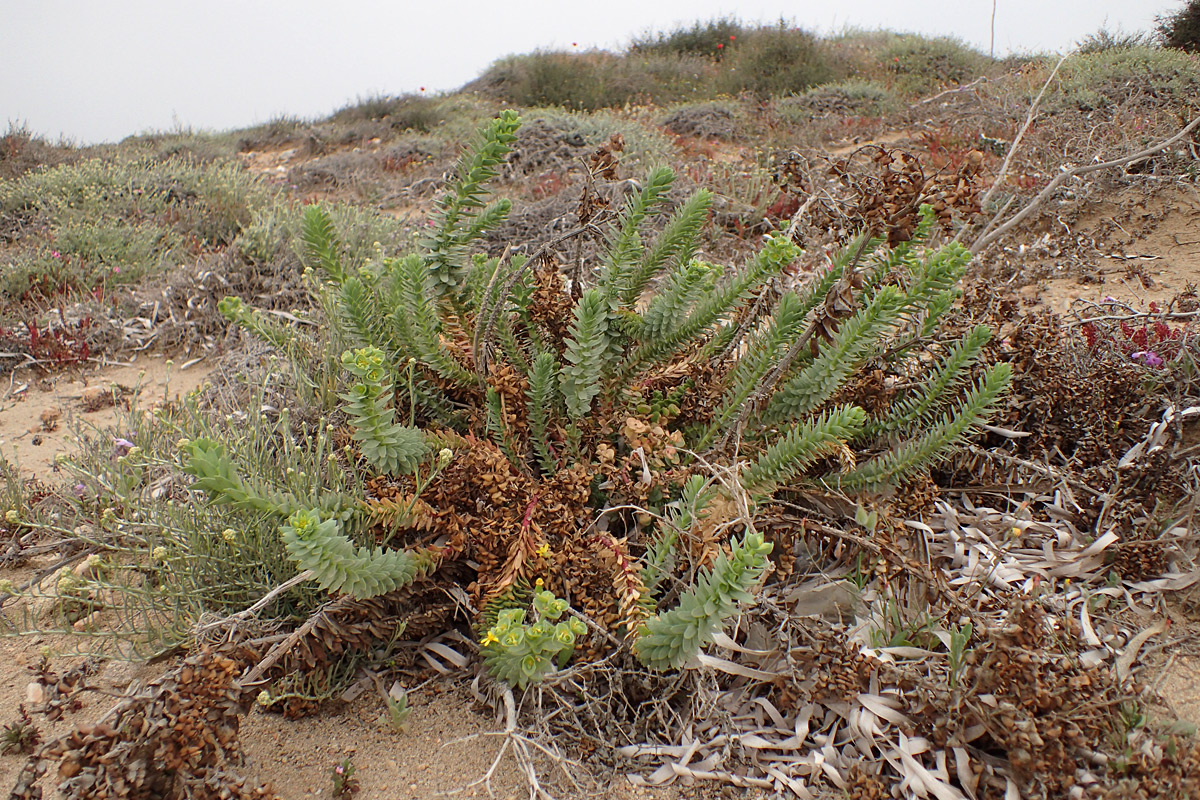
36	412
1147	248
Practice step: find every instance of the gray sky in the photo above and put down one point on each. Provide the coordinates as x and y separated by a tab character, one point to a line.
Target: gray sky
96	70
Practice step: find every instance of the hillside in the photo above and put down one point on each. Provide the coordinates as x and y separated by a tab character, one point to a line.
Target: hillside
1001	607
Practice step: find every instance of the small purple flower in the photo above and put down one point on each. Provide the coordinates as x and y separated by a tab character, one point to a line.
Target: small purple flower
80	490
55	254
121	447
1148	357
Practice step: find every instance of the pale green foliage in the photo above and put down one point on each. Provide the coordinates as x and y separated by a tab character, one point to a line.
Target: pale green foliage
803	444
317	544
389	447
541	407
520	653
212	201
625	247
320	244
208	461
312	538
585	353
712	308
675	246
675	298
265	327
463	214
464	328
935	442
672	638
917	409
855	340
680	516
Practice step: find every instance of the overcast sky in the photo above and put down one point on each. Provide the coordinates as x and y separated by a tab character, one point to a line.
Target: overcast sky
97	70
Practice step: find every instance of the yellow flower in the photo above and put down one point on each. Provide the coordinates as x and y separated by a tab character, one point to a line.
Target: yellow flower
489	639
159	553
539	583
264	698
12	517
229	534
543	551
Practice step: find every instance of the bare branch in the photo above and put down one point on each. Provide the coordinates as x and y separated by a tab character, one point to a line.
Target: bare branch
985	241
1016	142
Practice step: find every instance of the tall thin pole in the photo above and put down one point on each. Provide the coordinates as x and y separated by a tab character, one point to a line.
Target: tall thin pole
992	47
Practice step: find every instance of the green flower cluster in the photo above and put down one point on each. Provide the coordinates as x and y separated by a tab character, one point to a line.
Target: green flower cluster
519	653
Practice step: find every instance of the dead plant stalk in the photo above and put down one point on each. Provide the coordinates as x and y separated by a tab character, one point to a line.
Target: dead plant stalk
987	239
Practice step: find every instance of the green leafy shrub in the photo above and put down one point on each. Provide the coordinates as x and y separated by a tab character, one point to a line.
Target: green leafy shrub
1104	39
211	202
520	653
171	559
122	252
272	236
854	97
699	39
596	79
919	65
670	639
475	398
466	344
774	61
1113	77
1181	30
